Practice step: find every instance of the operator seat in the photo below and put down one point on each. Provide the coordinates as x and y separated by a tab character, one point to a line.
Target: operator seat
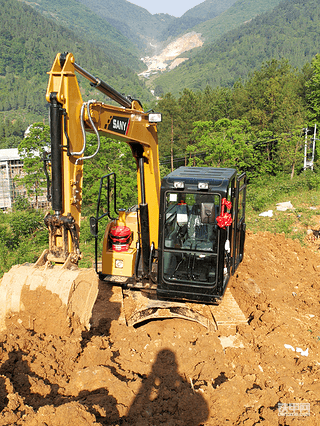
200	236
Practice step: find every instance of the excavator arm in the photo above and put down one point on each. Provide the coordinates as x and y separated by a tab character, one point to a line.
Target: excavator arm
70	119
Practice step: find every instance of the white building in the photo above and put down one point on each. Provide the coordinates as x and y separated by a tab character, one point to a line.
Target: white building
11	166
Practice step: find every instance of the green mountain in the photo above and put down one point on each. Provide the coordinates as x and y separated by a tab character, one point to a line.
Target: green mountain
241	12
29	43
106	36
208	9
290	30
135	22
90	26
126	32
203	12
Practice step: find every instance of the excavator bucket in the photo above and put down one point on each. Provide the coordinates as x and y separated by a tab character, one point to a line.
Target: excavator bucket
48	299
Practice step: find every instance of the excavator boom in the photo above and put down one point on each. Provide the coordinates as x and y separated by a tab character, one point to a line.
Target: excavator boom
70	118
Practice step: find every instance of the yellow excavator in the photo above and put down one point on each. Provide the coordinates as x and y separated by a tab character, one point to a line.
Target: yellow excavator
172	254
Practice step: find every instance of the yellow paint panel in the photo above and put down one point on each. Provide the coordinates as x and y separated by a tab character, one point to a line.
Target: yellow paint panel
110	259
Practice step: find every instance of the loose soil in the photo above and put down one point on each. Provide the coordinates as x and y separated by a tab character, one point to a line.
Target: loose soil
176	372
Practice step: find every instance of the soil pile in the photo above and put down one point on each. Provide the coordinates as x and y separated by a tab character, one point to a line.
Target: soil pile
176	372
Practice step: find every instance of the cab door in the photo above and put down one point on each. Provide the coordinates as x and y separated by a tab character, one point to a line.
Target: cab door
239	221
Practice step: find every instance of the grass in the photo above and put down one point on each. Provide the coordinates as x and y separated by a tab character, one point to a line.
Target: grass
302	191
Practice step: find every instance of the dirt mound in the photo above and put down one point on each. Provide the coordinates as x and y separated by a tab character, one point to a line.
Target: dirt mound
176	372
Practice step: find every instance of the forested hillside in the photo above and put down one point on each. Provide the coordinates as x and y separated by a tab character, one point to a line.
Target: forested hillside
90	26
133	21
29	44
289	31
204	11
256	126
208	9
127	32
241	12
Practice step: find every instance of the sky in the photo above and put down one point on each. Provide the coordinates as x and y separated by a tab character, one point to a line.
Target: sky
173	7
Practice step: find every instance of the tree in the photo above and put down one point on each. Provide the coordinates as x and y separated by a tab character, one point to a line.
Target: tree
290	150
169	129
313	89
227	143
23	237
273	98
215	103
114	156
158	91
190	111
32	149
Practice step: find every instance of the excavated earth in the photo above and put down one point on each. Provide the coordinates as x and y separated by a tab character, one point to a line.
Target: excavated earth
176	372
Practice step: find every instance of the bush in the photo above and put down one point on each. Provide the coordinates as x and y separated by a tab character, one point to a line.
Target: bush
23	237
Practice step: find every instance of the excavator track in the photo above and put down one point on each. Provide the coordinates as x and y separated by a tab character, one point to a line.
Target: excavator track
140	306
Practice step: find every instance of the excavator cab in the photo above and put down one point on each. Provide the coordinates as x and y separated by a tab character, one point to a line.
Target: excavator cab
201	236
200	244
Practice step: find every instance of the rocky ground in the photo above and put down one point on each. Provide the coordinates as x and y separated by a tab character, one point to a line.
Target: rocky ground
168	57
176	372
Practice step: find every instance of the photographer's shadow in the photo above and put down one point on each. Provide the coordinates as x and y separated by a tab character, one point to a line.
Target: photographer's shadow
166	398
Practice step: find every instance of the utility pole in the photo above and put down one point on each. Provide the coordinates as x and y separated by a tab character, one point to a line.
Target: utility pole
313	144
309	156
305	148
172	144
